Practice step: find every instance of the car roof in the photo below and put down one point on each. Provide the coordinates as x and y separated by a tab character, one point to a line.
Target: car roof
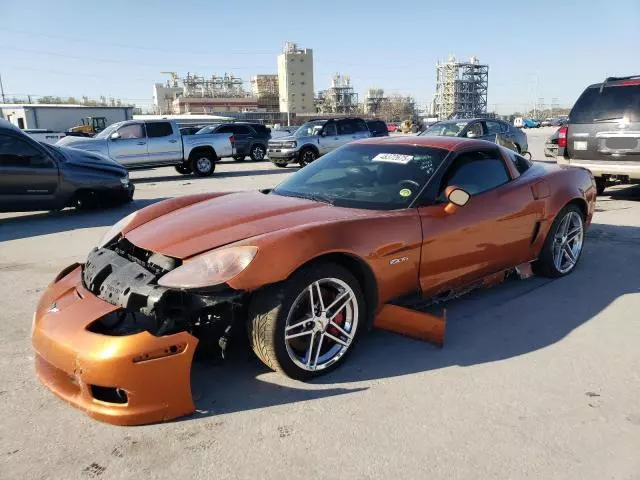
446	143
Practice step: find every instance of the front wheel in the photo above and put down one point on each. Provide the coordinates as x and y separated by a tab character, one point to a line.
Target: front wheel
563	246
203	164
306	325
307	156
183	169
601	185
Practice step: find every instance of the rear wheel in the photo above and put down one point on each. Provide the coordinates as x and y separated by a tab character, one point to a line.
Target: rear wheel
601	185
308	324
563	246
203	164
257	153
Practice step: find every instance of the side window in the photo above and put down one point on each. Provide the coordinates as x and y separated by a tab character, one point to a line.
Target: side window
225	129
241	130
159	129
345	127
15	152
493	128
360	125
330	129
134	130
521	163
475	172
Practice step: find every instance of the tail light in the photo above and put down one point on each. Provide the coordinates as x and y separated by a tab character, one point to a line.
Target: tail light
562	137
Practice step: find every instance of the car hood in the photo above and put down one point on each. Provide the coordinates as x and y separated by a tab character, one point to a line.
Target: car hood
284	138
85	159
83	143
226	219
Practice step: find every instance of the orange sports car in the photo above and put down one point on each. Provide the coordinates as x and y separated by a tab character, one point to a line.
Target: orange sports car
305	267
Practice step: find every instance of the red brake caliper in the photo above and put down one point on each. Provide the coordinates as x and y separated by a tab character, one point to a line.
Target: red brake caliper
339	319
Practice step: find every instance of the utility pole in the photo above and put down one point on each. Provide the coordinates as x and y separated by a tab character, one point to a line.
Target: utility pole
2	89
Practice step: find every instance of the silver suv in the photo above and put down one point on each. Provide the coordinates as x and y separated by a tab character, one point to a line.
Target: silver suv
315	138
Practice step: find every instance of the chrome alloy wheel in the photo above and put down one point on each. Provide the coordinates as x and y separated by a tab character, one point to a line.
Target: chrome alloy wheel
567	243
258	153
321	324
203	164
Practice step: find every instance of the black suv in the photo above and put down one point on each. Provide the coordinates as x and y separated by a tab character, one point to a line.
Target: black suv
378	128
250	138
603	132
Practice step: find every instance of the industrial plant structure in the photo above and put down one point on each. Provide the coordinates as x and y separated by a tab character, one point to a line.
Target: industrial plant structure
461	89
339	98
374	100
295	79
199	94
265	89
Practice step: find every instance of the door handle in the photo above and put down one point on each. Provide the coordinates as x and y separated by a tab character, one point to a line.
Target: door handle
142	143
173	141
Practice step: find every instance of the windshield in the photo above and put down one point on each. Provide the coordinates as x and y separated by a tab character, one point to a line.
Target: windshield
309	129
369	176
447	129
108	131
614	103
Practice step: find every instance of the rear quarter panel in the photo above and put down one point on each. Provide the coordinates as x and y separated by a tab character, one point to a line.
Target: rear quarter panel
218	141
559	186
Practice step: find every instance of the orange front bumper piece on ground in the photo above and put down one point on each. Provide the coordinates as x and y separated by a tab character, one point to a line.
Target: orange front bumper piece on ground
412	323
125	380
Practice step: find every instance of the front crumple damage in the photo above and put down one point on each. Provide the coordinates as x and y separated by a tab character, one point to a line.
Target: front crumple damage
112	342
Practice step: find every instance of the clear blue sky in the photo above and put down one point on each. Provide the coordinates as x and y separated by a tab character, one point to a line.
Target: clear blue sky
534	48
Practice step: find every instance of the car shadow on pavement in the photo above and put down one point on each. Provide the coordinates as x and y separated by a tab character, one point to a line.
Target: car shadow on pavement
192	178
509	320
44	223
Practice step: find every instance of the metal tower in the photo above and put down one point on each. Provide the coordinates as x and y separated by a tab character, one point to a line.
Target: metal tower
461	89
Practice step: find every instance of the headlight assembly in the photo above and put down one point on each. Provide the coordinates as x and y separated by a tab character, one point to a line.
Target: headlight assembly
209	269
116	229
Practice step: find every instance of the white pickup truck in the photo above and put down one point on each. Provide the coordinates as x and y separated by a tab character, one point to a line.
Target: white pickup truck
46	136
156	143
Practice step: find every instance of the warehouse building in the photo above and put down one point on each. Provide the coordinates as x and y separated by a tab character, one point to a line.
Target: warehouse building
59	117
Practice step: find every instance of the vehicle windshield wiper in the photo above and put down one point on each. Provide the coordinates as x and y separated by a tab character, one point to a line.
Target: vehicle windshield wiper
315	196
606	119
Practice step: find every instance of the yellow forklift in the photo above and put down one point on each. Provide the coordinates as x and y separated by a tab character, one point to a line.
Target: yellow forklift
90	127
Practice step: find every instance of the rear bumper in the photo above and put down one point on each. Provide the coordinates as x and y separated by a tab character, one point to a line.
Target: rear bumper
599	168
70	360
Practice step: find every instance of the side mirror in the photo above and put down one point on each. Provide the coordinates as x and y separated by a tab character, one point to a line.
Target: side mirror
471	134
114	136
457	196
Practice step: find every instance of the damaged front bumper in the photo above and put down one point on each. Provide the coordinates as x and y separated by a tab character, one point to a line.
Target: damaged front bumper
119	350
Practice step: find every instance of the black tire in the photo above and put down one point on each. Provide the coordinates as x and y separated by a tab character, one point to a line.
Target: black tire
239	158
183	169
545	265
258	152
270	307
203	164
601	185
280	163
306	156
86	200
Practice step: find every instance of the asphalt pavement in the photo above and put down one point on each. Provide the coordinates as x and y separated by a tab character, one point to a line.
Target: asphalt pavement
537	378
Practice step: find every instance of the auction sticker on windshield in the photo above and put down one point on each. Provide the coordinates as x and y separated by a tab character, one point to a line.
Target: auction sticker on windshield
393	158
